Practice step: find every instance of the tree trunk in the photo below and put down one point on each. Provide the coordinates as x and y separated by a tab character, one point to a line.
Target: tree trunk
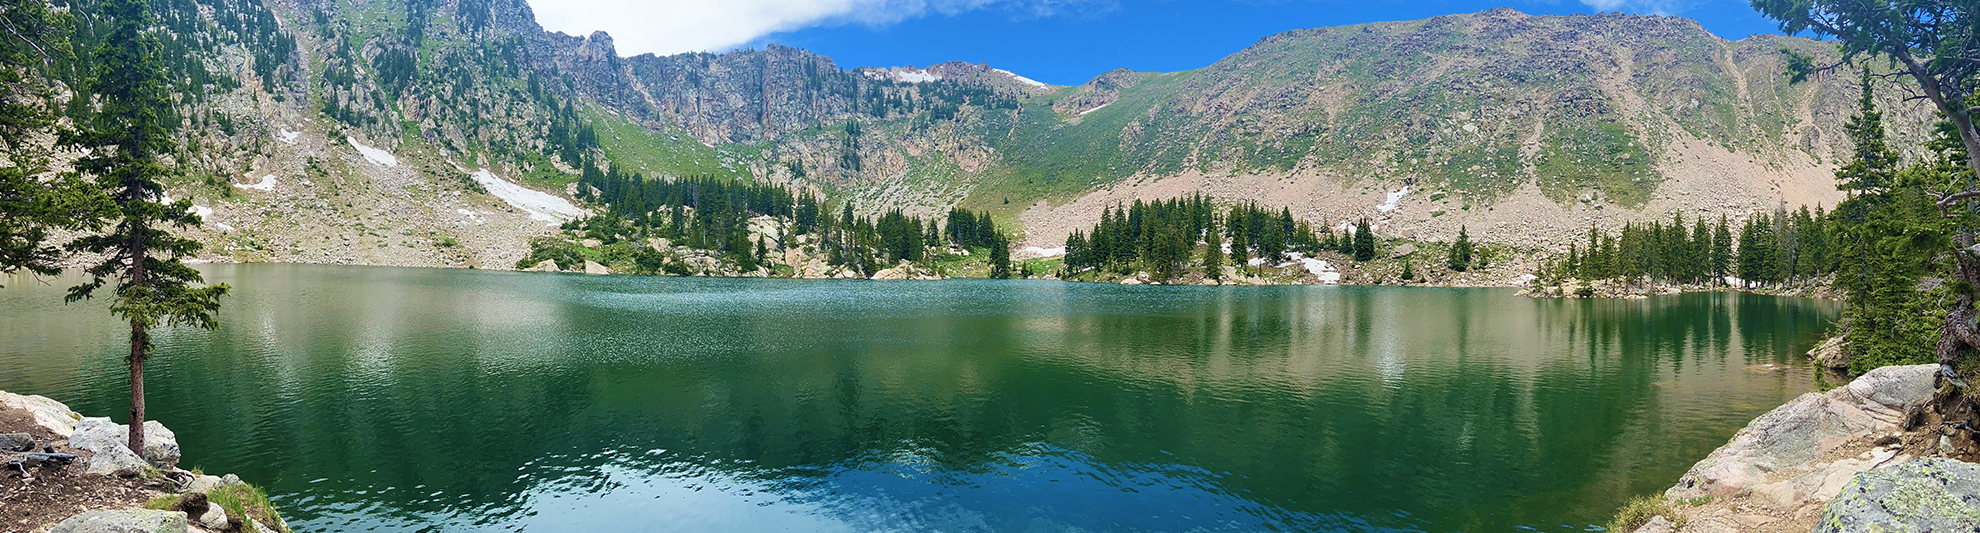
138	342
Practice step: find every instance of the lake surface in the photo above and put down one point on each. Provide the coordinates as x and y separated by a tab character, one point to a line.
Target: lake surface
388	399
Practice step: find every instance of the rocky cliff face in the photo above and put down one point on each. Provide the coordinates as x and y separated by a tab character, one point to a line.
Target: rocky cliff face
1532	128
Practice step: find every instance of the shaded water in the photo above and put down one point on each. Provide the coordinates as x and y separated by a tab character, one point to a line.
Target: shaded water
449	400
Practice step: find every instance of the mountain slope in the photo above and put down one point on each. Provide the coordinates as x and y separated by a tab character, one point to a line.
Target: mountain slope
1526	129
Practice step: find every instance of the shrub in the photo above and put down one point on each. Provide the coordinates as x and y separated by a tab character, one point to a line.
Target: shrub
1638	511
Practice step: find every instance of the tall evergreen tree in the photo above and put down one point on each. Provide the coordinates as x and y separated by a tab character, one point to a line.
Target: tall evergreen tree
1460	254
129	135
1875	163
1722	249
1213	254
1364	241
31	207
1000	258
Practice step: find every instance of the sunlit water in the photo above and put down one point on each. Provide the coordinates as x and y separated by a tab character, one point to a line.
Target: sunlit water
390	399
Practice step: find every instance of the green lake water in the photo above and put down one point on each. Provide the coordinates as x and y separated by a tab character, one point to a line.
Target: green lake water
388	399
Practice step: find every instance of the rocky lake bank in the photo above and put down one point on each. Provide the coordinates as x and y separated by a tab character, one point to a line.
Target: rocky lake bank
67	473
1867	456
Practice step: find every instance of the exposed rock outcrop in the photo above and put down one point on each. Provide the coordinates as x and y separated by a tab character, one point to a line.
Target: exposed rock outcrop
1774	456
1926	495
1830	354
49	415
124	521
105	438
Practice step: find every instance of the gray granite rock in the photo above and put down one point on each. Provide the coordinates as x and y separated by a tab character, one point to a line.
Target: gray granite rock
1927	495
123	521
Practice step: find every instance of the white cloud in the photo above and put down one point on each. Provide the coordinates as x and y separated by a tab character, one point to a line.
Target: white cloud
675	26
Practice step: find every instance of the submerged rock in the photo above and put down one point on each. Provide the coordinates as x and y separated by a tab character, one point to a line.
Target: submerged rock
1772	456
1932	494
124	521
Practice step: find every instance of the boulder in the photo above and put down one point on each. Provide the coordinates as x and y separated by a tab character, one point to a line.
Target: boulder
123	521
214	518
592	243
545	266
1403	251
101	436
16	442
204	484
48	414
1657	524
1770	456
891	274
595	268
1932	494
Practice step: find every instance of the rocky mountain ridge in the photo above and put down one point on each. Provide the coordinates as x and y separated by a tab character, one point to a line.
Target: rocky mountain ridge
1527	129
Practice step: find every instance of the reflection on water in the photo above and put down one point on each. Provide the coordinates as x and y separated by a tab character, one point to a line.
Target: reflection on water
410	399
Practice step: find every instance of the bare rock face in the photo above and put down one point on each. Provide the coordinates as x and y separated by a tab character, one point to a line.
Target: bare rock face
49	414
1772	457
108	442
1932	494
125	521
1830	354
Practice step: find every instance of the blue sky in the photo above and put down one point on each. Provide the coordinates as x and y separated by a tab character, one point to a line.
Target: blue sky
1062	42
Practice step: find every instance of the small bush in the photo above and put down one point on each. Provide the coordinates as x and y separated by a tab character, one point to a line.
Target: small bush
248	501
1638	511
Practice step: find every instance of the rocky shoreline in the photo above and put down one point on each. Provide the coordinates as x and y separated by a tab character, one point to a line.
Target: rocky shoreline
1861	454
67	473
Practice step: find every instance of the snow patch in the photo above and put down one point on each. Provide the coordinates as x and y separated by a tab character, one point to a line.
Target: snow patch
1095	108
1021	79
202	211
267	184
1045	252
288	137
224	228
1320	269
914	76
1393	198
540	205
374	155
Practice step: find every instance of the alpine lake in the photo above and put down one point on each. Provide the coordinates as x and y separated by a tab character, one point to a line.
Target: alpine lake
396	399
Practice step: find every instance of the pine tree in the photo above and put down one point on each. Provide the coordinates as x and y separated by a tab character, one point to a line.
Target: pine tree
30	208
1722	249
129	135
1000	258
1364	241
1408	272
1875	163
1213	254
1460	256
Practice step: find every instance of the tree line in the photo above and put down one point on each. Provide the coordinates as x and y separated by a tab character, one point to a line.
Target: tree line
1785	247
709	213
1163	237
